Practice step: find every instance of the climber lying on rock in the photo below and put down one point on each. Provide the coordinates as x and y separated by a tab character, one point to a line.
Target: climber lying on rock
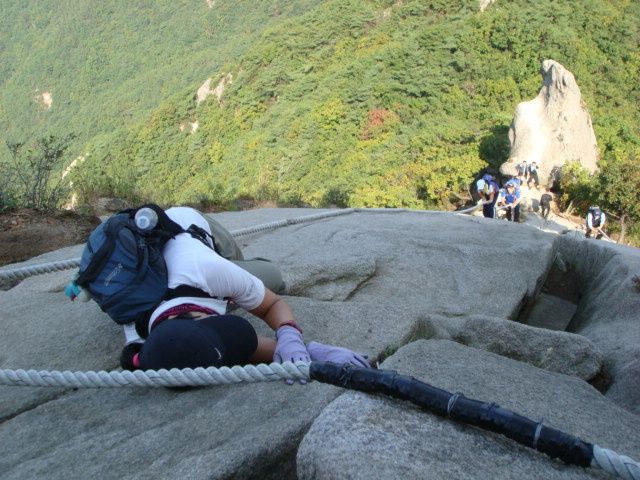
190	327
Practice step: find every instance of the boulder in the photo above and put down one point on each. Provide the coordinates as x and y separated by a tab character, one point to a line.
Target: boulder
560	352
107	206
553	128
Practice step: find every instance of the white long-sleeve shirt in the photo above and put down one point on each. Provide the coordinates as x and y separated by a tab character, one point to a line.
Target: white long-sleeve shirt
190	262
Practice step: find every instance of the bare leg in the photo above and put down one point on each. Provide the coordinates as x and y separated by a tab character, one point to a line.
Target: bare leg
264	352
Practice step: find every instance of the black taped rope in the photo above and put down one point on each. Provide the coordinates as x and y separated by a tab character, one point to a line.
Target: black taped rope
488	416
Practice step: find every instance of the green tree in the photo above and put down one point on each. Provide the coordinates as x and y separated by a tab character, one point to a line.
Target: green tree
619	188
578	187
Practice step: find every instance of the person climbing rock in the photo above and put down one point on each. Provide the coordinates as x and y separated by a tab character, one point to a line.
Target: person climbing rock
595	222
193	330
545	203
533	176
510	198
489	192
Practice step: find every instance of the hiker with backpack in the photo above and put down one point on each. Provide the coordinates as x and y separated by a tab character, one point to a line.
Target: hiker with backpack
595	222
489	192
510	198
180	320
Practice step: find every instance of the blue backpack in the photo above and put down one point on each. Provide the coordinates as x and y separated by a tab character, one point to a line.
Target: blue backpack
123	269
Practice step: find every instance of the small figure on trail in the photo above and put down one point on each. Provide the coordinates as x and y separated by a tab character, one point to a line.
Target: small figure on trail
489	192
533	176
595	222
545	203
523	171
510	198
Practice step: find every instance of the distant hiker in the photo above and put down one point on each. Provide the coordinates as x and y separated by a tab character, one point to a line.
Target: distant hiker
533	175
545	203
193	330
523	171
510	198
489	192
595	222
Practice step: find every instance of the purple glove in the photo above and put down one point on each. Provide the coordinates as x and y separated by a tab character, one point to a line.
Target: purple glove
290	346
328	353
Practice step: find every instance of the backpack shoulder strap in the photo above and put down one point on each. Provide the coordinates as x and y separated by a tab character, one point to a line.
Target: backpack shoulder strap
186	291
202	235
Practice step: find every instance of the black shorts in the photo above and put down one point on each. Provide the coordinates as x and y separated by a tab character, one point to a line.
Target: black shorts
214	341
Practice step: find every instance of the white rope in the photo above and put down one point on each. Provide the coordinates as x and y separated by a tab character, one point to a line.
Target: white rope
604	459
290	221
157	378
469	210
606	236
24	272
615	464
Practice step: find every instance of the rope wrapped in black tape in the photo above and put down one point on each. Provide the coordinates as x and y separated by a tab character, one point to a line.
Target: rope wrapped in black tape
456	406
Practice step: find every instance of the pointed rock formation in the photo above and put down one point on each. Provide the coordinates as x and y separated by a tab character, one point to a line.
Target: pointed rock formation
553	128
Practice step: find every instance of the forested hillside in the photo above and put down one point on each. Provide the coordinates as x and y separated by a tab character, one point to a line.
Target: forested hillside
108	64
395	103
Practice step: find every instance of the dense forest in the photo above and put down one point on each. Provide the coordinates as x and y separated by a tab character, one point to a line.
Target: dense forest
382	103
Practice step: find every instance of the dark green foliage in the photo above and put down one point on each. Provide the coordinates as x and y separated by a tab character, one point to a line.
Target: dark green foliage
618	184
351	102
615	188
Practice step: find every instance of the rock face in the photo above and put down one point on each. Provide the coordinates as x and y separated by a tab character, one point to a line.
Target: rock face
553	128
440	297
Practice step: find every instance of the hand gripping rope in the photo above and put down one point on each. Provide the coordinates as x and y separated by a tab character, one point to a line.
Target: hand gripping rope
454	406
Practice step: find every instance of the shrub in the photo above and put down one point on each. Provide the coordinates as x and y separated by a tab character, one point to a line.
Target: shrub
34	174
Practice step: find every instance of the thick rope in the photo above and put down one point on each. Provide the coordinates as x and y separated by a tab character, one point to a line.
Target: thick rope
24	272
290	221
197	377
615	464
604	459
